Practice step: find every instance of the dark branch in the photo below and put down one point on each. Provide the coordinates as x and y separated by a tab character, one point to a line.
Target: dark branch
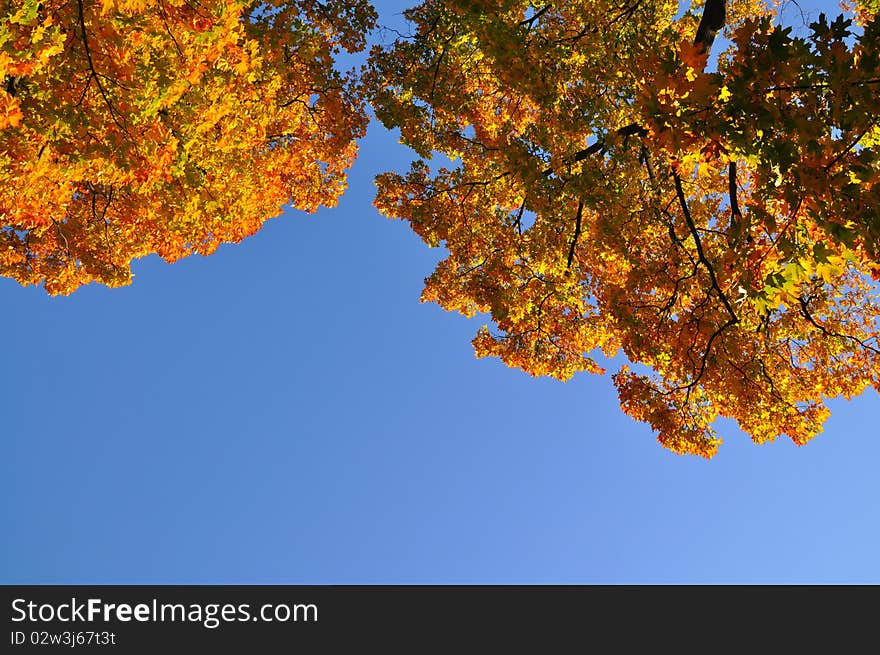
736	220
700	252
732	190
705	358
804	302
577	234
10	84
629	130
94	73
817	86
852	145
625	13
633	129
714	17
528	22
643	154
519	216
168	29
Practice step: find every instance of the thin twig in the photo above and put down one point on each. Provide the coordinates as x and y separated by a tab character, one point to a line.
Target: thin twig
94	73
807	315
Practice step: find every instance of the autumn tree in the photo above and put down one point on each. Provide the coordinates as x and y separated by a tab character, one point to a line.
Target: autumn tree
130	127
611	192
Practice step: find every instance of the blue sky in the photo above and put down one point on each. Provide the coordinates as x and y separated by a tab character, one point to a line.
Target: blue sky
286	411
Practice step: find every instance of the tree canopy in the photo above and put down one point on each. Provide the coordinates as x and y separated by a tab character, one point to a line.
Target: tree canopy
131	127
610	193
606	190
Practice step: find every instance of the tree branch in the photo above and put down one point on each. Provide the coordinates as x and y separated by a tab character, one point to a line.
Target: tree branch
735	233
633	129
519	216
852	145
714	17
94	73
577	234
700	252
830	333
528	22
732	190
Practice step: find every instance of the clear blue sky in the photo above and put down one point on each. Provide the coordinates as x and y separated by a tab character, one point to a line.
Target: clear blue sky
285	411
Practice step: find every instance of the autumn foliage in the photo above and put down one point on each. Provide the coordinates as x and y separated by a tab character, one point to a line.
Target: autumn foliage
600	187
131	127
609	192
